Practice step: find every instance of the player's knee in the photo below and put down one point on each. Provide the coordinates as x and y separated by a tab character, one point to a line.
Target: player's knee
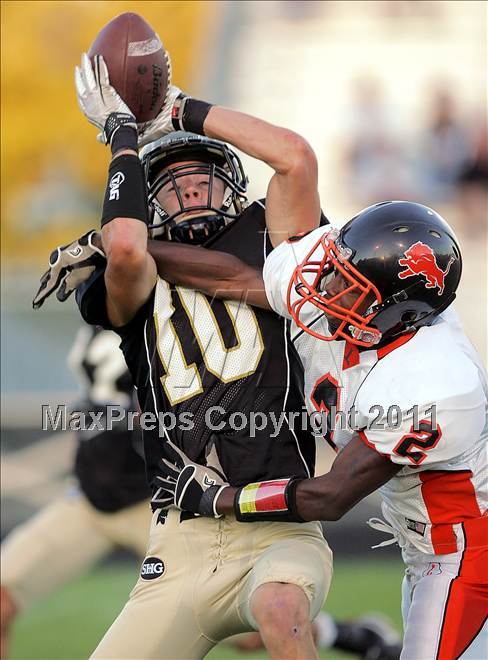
282	609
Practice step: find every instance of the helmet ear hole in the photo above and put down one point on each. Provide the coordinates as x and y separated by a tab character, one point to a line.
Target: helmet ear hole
409	316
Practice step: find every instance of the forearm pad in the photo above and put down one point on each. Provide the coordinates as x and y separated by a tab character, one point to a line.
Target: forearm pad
268	500
126	194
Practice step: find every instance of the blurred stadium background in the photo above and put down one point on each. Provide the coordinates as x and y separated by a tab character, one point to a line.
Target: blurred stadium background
393	97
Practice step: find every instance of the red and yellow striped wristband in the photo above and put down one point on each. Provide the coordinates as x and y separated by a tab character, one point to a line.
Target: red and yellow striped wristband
267	500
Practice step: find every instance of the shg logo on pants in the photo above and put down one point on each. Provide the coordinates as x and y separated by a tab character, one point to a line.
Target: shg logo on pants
152	568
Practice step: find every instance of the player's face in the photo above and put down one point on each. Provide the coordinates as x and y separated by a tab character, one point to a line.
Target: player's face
336	284
194	190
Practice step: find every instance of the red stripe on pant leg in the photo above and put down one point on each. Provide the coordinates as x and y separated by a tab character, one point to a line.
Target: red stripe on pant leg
467	602
474	566
465	613
449	498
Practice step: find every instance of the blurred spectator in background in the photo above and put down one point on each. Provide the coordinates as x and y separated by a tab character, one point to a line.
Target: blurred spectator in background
375	158
443	149
473	183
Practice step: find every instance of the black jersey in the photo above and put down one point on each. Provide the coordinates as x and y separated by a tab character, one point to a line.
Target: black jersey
215	365
108	464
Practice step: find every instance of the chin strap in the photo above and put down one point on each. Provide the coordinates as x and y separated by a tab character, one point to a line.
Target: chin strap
268	500
197	230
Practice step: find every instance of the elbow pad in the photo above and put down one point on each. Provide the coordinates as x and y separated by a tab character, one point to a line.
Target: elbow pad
273	500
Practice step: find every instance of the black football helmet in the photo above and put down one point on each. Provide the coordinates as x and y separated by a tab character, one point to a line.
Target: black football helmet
401	258
216	160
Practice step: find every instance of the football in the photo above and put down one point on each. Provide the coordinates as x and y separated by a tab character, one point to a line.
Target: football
138	65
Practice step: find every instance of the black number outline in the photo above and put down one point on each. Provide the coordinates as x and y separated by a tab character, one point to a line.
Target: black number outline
325	404
424	438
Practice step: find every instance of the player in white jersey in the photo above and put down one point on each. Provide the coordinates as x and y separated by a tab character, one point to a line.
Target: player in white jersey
406	398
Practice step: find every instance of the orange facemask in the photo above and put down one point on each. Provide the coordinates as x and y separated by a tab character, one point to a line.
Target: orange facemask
325	260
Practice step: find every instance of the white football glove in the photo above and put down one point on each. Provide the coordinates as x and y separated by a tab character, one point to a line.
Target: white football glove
69	266
96	96
162	124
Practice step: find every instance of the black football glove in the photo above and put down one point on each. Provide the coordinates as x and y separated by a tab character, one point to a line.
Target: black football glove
189	486
69	266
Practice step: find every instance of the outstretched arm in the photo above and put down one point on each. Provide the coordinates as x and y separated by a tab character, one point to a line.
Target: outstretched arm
292	200
214	273
357	471
130	274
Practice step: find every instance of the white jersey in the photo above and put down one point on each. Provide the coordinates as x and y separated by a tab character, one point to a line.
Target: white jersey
421	401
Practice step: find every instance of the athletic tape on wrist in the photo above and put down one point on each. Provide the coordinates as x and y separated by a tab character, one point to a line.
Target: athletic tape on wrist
126	193
267	500
189	114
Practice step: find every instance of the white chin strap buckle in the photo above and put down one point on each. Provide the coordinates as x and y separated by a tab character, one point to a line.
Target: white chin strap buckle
368	336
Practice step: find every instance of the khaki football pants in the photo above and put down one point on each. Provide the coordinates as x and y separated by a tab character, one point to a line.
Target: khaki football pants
198	578
64	540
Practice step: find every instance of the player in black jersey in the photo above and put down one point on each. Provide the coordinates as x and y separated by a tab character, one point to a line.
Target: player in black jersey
211	359
183	348
202	579
109	464
215	363
109	508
